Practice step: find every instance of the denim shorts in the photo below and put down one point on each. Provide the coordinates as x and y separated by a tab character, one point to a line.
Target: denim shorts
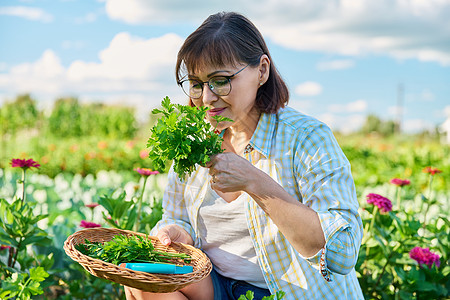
229	289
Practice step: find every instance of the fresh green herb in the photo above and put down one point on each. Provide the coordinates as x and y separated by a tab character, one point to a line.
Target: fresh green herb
183	135
125	249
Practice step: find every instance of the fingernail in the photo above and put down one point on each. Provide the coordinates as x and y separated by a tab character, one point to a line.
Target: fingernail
166	241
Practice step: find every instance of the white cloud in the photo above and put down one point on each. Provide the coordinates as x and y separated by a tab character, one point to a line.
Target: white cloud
339	64
447	111
43	75
308	88
352	107
156	11
131	58
3	66
417	125
29	13
403	29
344	123
304	106
129	66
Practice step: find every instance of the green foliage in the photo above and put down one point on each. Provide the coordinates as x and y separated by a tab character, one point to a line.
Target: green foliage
19	114
18	229
23	285
376	160
386	271
120	213
64	120
375	124
183	135
82	285
125	249
70	119
250	295
108	121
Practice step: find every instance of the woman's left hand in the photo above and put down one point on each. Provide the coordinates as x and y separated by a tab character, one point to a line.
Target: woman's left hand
231	172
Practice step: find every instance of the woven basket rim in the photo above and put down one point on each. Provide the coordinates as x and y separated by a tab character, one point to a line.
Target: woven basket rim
116	273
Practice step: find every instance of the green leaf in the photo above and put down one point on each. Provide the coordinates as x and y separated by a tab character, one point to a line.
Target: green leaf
426	286
38	274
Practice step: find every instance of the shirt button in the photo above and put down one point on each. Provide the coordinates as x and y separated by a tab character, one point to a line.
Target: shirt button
248	149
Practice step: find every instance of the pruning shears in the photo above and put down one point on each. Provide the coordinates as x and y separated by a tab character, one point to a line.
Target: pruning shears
161	268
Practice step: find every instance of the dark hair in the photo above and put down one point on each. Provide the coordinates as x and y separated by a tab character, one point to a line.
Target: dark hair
229	38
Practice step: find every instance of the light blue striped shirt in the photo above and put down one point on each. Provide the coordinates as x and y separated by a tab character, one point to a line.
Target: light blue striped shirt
302	155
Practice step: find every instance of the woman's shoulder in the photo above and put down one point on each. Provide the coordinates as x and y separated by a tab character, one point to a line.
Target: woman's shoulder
294	120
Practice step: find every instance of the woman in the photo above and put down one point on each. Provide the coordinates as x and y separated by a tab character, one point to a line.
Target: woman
277	211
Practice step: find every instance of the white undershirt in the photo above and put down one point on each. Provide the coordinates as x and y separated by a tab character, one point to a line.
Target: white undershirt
226	240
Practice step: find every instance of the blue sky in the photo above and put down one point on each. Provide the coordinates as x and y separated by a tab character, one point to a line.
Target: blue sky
342	59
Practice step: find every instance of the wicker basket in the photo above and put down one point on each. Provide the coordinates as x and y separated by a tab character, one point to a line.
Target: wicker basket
156	283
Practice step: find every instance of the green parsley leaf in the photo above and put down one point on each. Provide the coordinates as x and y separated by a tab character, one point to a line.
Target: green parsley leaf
183	135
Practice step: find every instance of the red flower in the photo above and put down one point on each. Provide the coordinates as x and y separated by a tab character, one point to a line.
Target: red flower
431	170
383	203
400	182
86	224
424	256
24	163
3	247
146	172
92	205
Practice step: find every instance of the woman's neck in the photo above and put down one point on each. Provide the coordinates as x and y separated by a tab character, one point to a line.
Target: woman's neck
247	126
239	134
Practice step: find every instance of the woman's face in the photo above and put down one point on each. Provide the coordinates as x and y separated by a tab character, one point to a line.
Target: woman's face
239	104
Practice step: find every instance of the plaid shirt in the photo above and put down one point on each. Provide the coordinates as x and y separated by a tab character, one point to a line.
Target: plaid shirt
302	155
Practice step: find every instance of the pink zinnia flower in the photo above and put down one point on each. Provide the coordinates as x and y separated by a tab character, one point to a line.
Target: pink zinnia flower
92	205
24	163
400	182
384	204
431	170
146	172
424	256
86	224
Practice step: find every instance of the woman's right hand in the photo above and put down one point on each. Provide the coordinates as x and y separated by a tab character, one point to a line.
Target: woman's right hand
174	233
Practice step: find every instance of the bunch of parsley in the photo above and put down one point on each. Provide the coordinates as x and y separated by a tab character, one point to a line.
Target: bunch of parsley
183	135
125	249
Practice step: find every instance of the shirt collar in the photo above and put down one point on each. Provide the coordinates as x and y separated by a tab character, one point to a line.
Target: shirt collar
262	137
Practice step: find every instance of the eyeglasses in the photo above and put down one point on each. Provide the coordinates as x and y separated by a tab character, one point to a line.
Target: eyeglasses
219	85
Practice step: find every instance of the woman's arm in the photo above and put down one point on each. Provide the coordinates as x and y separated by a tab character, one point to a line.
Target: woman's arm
298	223
175	212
